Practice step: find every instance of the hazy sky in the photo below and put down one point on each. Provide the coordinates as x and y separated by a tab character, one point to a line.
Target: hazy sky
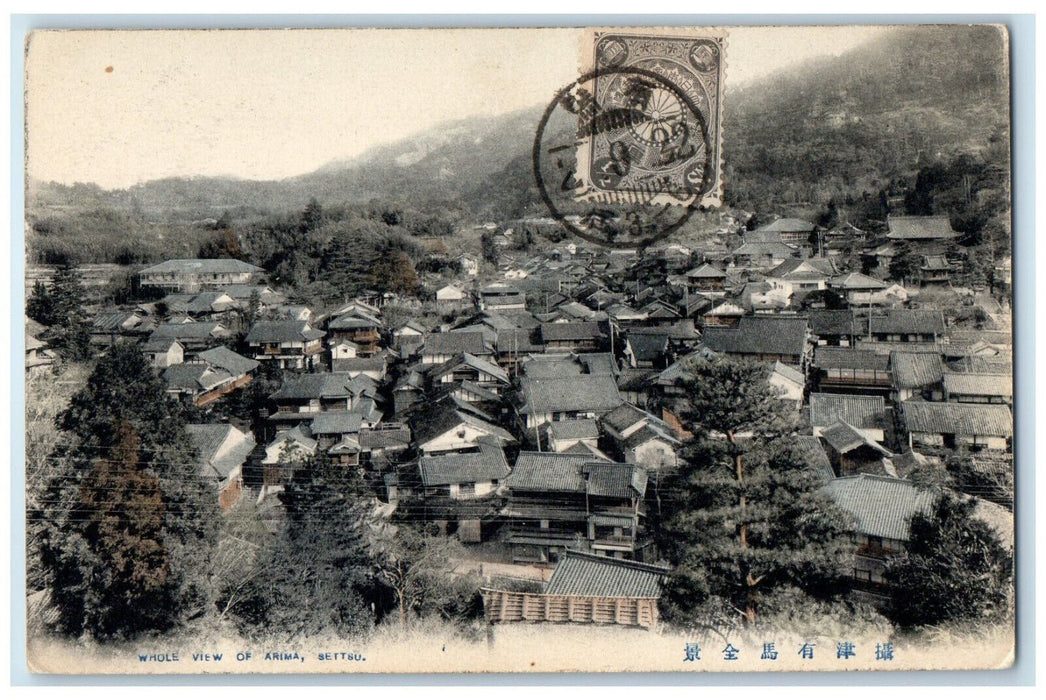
117	108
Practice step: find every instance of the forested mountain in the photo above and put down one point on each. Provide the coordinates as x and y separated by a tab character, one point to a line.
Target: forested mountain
831	129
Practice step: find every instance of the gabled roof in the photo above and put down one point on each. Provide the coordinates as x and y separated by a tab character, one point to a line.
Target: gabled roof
194	377
902	321
913	370
816	457
598	362
648	346
282	332
788	372
353	320
920	228
473	362
614	480
799	268
336	422
437	419
295	434
843	438
202	266
862	412
857	281
455	342
978	384
706	271
385	437
965	419
587	392
326	385
826	322
487	463
882	506
583	574
624	417
579	330
786	225
580	429
232	362
197	330
548	471
760	335
222	448
831	357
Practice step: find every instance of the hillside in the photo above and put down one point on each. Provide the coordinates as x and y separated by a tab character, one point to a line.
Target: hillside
833	128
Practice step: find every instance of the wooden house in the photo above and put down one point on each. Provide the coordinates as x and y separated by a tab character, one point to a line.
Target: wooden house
864	413
191	275
567	398
585	589
559	501
286	344
882	508
951	425
223	450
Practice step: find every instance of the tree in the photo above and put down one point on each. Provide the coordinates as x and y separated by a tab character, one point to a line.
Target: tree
69	330
317	574
124	391
39	306
747	513
954	568
223	244
394	272
417	566
905	264
110	568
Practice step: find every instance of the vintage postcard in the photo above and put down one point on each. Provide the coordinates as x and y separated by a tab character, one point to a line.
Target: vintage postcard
681	349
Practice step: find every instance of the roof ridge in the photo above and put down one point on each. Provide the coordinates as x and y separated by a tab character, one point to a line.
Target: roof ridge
626	563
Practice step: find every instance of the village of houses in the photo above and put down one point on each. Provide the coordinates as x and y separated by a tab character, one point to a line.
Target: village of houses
533	424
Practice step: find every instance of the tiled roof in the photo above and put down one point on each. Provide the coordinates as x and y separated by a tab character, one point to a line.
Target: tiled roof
282	332
374	363
831	321
580	429
232	362
552	367
882	506
828	356
598	362
582	574
901	321
957	418
205	266
912	370
859	411
548	471
625	416
586	392
210	439
614	480
978	384
200	330
455	342
787	225
813	450
759	335
579	330
857	281
706	271
385	437
919	228
648	346
314	386
843	437
476	363
194	377
336	422
485	464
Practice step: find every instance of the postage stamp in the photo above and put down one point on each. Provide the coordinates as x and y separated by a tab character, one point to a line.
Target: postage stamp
660	95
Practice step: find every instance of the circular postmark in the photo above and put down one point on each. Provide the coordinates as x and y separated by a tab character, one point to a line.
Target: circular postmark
621	156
